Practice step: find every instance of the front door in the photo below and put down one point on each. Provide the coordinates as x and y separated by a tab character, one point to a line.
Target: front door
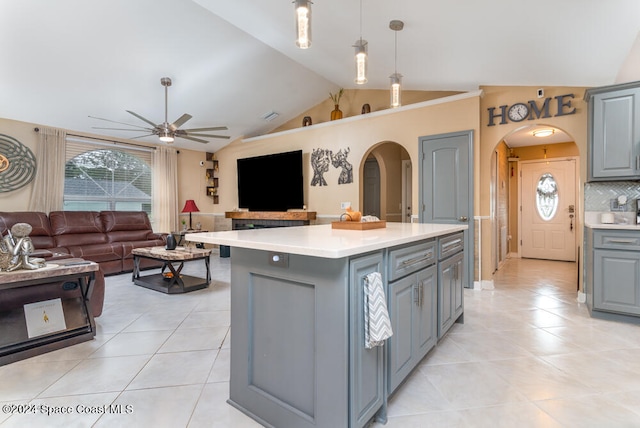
446	186
548	190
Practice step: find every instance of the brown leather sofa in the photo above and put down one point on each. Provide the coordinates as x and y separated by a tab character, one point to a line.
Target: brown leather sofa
105	237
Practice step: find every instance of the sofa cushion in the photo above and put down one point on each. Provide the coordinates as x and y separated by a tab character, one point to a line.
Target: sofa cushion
74	228
97	252
41	235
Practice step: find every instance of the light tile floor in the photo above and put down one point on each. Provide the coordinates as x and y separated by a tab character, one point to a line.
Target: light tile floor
528	355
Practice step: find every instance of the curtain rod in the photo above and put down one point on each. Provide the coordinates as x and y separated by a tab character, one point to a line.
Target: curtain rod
107	140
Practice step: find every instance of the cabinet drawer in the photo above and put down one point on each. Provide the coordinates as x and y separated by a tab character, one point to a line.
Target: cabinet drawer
450	244
406	260
616	239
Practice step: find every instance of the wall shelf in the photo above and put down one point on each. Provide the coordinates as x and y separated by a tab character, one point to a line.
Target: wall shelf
212	178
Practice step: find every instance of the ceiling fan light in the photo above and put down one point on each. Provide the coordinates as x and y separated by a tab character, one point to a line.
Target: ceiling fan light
303	23
166	137
540	133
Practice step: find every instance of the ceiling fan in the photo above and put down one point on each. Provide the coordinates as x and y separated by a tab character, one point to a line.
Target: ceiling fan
165	130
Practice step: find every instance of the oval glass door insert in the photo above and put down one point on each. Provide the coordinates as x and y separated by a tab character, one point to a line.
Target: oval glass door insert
547	196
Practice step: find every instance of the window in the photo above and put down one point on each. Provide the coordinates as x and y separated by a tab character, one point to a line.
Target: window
105	176
547	197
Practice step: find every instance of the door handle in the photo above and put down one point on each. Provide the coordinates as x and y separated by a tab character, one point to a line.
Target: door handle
463	219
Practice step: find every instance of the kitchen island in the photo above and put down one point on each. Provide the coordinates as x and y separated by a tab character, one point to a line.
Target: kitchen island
297	316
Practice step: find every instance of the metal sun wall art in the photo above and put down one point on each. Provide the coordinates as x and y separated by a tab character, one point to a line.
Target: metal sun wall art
17	164
321	159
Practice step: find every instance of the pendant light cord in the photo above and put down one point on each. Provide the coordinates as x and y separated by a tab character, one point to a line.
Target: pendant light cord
360	21
395	50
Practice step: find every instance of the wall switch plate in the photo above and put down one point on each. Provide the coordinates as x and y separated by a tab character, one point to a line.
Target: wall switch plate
344	205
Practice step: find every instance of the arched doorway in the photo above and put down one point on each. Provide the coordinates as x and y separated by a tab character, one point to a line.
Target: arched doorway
520	183
385	182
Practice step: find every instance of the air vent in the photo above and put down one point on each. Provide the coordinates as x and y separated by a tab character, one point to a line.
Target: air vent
270	116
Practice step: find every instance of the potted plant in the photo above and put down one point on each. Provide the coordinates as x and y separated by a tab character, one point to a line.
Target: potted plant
184	224
336	113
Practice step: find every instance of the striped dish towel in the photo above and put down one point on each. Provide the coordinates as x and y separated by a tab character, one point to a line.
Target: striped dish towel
377	325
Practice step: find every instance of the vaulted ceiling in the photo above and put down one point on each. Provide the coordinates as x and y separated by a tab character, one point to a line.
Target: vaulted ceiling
232	62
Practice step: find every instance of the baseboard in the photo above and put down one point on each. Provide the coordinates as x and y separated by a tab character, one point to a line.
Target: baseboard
582	297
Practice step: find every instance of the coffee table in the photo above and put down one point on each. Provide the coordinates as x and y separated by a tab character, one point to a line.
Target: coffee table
171	281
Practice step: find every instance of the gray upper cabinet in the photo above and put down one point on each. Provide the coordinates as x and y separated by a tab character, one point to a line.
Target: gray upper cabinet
614	132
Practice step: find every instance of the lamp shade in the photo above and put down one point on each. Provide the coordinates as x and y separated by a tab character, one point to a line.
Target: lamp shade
190	207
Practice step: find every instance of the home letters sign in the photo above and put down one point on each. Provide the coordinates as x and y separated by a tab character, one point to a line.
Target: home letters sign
518	112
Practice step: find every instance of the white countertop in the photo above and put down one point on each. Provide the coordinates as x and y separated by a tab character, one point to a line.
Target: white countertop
623	221
323	241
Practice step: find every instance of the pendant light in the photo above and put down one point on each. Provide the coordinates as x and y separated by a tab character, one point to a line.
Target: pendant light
361	56
303	23
396	78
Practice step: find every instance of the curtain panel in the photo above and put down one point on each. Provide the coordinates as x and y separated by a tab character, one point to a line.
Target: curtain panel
165	190
48	184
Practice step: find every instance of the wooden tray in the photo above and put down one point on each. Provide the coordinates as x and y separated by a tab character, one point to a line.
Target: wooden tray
358	225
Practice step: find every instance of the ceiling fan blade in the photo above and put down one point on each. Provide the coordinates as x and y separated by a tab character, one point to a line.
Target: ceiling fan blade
199	140
141	136
180	121
141	118
121	123
123	129
208	135
215	128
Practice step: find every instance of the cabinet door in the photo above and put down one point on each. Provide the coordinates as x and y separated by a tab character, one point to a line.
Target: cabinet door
426	315
615	127
446	284
616	282
366	366
403	299
458	286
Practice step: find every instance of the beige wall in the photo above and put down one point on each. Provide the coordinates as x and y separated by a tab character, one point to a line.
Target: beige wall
575	125
192	183
18	200
352	101
360	133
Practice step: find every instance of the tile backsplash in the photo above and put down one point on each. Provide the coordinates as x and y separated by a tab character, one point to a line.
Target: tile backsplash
597	195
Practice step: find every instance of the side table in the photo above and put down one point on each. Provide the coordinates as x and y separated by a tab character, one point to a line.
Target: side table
180	236
65	286
171	282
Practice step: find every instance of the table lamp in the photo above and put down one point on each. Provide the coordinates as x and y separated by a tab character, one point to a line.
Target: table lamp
190	207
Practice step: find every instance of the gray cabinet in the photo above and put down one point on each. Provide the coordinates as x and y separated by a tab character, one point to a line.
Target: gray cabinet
412	308
450	281
366	374
298	357
614	132
615	276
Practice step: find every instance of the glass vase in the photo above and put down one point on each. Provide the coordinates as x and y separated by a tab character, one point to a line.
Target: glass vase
336	113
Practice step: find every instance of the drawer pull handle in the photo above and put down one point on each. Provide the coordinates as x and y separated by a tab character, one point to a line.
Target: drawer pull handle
446	245
406	263
622	241
418	293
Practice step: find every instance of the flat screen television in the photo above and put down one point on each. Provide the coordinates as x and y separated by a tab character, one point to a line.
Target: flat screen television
271	182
